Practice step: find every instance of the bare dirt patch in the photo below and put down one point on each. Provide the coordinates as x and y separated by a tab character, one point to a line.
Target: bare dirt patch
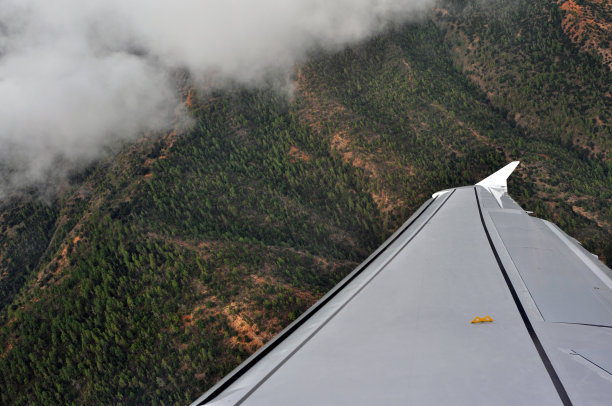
60	263
189	98
249	335
8	349
305	296
298	155
589	26
583	212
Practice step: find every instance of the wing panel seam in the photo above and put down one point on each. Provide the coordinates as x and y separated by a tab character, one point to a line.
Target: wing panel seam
518	272
534	337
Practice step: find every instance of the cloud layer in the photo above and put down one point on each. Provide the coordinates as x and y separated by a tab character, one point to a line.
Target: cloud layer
78	76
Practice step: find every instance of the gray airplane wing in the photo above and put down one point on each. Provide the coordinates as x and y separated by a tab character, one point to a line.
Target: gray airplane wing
472	301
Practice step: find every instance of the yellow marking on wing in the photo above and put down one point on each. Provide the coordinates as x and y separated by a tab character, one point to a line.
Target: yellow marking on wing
482	319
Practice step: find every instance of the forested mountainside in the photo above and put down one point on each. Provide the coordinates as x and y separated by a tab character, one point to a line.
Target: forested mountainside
164	266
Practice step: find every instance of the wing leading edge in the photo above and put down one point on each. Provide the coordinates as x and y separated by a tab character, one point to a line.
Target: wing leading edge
397	329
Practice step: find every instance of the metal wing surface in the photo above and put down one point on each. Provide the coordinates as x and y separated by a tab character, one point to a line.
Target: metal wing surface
398	329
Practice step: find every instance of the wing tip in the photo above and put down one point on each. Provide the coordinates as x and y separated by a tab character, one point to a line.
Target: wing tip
499	178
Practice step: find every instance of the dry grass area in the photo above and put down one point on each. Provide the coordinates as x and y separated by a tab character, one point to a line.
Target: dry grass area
321	113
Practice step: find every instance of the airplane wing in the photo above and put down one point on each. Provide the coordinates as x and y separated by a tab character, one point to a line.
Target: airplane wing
472	301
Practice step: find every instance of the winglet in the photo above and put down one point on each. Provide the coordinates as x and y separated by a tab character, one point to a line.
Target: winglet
496	183
498	179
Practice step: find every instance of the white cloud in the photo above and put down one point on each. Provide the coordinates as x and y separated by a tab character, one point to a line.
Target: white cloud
76	76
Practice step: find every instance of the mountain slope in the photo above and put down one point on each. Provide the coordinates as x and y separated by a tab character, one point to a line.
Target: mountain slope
167	264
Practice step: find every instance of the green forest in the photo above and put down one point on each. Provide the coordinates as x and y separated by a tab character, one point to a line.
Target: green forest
165	265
